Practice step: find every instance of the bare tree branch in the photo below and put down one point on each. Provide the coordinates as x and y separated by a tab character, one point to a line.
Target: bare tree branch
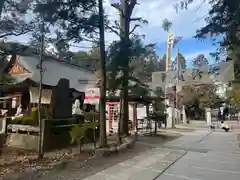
13	34
136	19
10	28
139	19
118	8
117	25
133	29
92	40
113	29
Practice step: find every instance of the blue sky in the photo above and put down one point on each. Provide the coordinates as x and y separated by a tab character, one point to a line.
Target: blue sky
184	24
190	48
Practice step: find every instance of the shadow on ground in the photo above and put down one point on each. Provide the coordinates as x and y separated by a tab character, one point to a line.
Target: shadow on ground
80	170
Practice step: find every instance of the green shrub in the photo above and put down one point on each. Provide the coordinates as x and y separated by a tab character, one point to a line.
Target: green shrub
82	133
31	119
25	120
158	116
91	116
77	134
34	114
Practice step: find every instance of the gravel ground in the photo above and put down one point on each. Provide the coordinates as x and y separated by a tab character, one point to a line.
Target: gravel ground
79	170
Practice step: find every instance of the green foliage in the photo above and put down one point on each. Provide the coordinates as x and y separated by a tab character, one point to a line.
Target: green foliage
200	61
33	118
91	116
140	69
222	20
79	133
91	125
161	116
12	17
182	61
166	25
158	104
161	65
234	97
203	96
34	114
140	90
25	120
89	59
74	20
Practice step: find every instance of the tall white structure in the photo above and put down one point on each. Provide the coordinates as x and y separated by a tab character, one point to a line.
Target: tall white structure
171	109
170	41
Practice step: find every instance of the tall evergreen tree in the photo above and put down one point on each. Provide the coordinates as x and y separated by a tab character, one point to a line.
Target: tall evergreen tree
12	18
200	61
182	61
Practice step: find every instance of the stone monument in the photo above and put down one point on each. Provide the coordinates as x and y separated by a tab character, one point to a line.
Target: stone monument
61	102
184	116
208	116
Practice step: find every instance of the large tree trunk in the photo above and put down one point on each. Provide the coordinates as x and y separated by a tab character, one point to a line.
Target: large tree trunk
124	35
102	103
125	114
119	138
40	124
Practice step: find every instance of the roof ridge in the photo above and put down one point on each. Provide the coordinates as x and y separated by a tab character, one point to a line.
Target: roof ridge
26	50
56	59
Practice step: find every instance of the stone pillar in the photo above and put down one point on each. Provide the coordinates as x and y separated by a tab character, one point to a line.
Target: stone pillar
184	117
46	135
134	118
208	116
4	123
147	110
169	117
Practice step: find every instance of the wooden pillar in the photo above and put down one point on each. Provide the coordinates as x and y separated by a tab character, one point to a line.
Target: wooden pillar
149	121
147	110
134	115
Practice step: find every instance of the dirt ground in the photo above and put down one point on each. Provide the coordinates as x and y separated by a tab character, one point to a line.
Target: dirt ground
78	166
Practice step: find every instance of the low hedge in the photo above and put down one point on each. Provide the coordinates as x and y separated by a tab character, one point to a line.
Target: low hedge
25	120
31	119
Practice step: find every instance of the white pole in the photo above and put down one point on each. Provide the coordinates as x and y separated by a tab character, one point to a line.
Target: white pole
177	84
170	46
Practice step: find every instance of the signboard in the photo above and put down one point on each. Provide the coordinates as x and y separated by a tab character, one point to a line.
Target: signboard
92	96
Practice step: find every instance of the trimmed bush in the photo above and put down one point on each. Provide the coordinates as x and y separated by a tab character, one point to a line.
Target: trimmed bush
24	120
34	114
31	119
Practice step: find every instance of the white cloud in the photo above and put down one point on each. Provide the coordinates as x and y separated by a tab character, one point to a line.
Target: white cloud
190	56
154	11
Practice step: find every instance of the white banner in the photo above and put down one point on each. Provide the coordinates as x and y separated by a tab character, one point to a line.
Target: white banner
46	95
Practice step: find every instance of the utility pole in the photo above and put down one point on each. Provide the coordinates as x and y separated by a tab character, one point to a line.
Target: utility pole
102	103
170	42
177	84
40	67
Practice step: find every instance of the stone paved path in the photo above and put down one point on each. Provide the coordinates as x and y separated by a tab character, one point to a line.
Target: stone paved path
200	155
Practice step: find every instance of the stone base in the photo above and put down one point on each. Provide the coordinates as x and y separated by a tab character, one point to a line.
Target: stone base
23	141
